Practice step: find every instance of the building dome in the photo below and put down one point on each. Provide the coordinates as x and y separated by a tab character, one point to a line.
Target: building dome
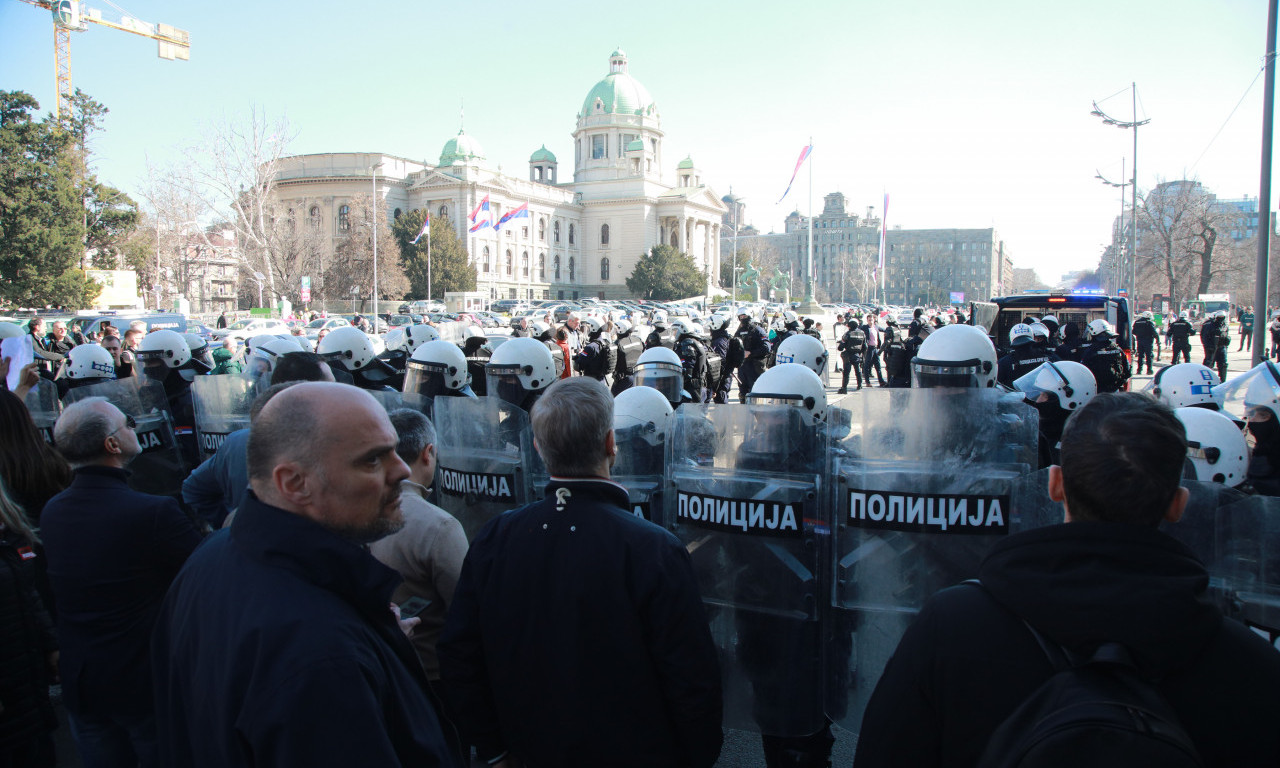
685	164
542	155
618	93
462	148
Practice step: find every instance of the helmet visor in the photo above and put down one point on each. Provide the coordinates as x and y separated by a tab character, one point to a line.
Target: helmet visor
504	383
1045	380
1259	388
153	363
663	377
426	379
959	374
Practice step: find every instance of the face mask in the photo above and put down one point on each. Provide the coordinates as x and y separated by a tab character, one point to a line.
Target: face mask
1266	433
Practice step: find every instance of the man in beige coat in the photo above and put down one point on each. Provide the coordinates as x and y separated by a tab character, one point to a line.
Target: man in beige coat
429	550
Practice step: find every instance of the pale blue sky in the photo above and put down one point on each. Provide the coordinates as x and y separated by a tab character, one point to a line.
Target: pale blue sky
968	114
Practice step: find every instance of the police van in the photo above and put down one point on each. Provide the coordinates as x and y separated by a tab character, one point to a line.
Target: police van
156	321
1077	306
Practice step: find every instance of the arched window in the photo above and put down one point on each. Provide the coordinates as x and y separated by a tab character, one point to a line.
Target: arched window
510	263
396	215
293	224
675	239
571	269
524	264
486	258
444	212
555	268
313	216
604	234
570	234
542	229
344	218
555	231
604	270
542	267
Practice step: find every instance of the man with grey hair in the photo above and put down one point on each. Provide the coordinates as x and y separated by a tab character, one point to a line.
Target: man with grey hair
572	610
278	645
429	550
112	553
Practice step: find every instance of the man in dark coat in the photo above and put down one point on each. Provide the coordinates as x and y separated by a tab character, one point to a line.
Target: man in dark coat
277	645
112	553
577	635
755	353
1179	335
1107	575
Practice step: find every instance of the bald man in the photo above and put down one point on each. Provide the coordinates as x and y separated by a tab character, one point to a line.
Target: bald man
277	645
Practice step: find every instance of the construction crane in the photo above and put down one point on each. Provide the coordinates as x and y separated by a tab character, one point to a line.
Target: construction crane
71	16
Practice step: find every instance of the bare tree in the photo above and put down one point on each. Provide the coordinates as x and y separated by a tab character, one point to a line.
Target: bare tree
351	267
1182	250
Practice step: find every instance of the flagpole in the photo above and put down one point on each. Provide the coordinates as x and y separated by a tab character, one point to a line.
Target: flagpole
428	261
809	306
884	244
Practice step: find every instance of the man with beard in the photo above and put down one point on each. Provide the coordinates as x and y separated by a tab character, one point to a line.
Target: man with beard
277	644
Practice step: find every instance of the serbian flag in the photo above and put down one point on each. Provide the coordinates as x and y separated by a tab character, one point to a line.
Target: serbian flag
482	206
884	224
426	229
804	154
518	213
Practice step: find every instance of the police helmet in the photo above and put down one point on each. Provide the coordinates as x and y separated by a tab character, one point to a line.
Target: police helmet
163	351
200	354
1184	314
1148	315
90	361
419	334
791	384
1099	328
790	317
660	368
1040	331
1050	320
518	368
645	410
1185	385
1263	388
718	322
394	340
269	351
592	324
804	349
538	328
349	347
955	356
660	318
436	368
11	331
681	326
1070	383
1215	446
622	326
1021	334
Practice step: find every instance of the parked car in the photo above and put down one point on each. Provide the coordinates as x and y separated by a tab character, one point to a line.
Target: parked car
247	329
312	331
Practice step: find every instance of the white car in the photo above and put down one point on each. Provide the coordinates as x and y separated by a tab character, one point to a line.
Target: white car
247	329
314	327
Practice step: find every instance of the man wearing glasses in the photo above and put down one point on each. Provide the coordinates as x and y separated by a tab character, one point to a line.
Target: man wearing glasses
112	553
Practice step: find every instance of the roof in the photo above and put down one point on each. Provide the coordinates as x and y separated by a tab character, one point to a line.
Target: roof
618	93
637	144
542	155
461	147
685	163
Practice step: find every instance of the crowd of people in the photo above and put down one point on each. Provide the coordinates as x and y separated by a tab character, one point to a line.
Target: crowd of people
306	591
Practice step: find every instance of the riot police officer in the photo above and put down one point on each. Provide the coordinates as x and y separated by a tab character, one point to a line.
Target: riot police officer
519	371
755	352
661	335
438	369
1025	355
349	349
1105	359
1179	336
852	346
662	369
1055	390
87	364
598	356
1216	340
693	360
627	350
897	359
163	356
730	350
1145	337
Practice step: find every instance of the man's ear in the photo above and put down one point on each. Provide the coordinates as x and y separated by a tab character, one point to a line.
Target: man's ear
1177	505
1057	491
610	445
291	483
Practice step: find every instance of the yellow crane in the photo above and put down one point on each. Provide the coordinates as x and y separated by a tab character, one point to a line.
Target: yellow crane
72	16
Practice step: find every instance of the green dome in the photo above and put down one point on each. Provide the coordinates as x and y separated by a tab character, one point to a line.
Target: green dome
461	148
685	164
542	155
619	93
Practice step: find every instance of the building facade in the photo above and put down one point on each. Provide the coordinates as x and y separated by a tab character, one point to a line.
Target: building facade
582	237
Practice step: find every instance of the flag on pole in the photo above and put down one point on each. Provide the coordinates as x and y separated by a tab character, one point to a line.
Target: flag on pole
426	229
483	205
884	224
804	153
518	213
483	223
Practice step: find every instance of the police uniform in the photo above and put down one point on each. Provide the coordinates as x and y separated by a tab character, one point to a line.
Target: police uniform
627	348
1215	340
1108	364
1179	335
1144	333
593	360
693	359
730	350
852	346
1023	359
755	349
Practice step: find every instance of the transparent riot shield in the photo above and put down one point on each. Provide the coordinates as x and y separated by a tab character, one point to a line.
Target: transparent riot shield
42	404
221	407
485	449
1247	555
746	496
641	467
928	481
159	469
1199	529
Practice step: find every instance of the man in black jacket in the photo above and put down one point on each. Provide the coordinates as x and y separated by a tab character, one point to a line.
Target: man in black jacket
639	684
755	353
1216	340
1106	575
1179	335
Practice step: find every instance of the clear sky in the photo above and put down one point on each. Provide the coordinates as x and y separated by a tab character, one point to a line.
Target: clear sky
967	114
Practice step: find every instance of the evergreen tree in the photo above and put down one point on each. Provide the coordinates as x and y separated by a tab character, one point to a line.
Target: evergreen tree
42	219
450	268
664	274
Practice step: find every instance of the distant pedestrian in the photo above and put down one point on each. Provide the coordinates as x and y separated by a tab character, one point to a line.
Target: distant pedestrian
222	320
1246	329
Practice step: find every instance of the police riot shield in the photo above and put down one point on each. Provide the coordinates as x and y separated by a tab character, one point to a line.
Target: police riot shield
42	404
927	482
159	468
221	407
1247	555
485	450
1199	529
641	466
745	494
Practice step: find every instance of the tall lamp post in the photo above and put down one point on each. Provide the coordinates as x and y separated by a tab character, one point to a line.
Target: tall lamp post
1122	265
373	177
1133	224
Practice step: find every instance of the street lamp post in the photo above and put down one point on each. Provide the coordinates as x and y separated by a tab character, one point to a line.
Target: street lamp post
1121	263
373	177
1133	223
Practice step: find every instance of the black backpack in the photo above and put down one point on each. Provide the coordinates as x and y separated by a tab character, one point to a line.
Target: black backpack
1097	712
735	354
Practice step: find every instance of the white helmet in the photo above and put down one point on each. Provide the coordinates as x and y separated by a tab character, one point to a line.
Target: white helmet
417	335
592	324
681	326
1071	383
661	369
90	361
11	331
696	330
270	350
955	356
660	317
804	349
1264	389
394	340
718	322
1215	446
622	326
518	368
1040	331
436	368
1049	319
1185	385
1148	315
348	346
162	351
790	317
1099	328
792	384
645	408
1021	334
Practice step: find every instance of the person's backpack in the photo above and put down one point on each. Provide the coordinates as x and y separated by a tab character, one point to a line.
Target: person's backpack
1097	712
735	354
